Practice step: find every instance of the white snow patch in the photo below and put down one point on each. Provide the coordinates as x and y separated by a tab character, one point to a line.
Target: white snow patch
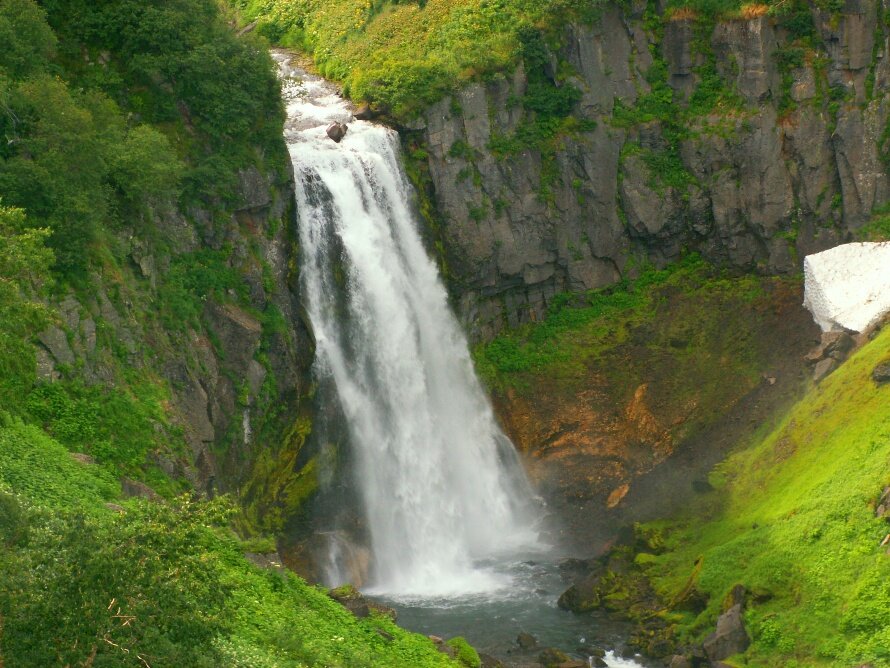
848	286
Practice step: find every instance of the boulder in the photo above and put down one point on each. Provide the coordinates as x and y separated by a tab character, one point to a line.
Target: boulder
552	657
133	488
848	286
572	569
582	596
443	646
881	373
364	113
823	369
730	637
679	661
526	641
269	560
835	345
489	661
337	131
882	509
738	595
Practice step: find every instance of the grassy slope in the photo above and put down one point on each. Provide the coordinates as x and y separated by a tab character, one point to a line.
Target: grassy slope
70	563
797	522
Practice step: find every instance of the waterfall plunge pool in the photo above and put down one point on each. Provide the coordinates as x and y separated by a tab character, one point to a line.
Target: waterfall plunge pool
491	622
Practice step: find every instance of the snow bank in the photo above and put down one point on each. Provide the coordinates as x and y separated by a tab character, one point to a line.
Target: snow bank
848	287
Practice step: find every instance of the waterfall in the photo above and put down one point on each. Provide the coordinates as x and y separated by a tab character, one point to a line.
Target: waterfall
443	491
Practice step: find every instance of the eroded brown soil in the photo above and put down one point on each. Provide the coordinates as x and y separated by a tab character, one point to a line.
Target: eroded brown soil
636	437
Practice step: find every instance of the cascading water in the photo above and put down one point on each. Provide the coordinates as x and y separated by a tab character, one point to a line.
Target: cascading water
441	485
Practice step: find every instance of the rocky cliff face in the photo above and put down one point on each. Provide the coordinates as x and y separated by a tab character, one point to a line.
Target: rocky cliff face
235	377
770	146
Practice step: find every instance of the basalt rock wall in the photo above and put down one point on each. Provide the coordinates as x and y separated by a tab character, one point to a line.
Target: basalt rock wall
236	376
752	141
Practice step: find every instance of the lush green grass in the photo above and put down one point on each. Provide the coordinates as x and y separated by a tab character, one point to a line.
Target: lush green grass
159	584
118	427
795	524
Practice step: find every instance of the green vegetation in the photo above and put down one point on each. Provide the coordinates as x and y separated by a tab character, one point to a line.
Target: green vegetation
795	524
465	652
731	9
111	111
24	273
696	338
192	279
583	329
407	55
160	584
119	428
116	117
878	228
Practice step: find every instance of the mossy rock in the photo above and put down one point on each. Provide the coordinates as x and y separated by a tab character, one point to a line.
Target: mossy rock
464	652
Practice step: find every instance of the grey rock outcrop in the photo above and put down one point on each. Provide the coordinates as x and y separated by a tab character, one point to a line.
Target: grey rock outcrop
881	373
730	637
210	366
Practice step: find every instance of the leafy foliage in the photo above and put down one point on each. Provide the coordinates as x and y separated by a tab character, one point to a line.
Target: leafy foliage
24	275
878	228
118	427
192	279
93	98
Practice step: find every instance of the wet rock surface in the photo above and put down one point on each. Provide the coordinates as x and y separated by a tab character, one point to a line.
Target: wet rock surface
336	131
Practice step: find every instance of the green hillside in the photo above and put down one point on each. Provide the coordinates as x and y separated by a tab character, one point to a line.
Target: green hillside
793	521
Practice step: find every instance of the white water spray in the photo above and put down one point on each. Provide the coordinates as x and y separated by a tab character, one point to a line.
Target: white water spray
441	485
